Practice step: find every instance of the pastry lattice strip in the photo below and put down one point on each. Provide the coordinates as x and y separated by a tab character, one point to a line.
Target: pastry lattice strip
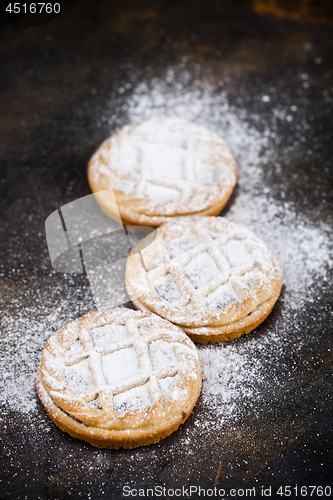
140	343
189	293
147	373
187	185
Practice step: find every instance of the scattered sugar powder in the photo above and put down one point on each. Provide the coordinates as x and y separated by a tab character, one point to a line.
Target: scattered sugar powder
201	270
135	398
79	377
167	288
223	295
239	375
182	244
166	385
108	334
120	365
161	354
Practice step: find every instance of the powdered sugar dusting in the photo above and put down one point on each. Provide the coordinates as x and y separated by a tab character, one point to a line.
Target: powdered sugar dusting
78	377
166	385
162	194
167	288
135	398
223	295
200	275
235	374
161	354
120	365
182	244
201	270
108	334
236	253
173	163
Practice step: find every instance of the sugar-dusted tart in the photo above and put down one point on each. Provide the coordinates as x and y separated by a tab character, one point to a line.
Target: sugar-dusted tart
215	279
162	168
120	378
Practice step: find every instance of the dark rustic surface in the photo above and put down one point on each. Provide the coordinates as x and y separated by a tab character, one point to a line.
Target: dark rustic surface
57	82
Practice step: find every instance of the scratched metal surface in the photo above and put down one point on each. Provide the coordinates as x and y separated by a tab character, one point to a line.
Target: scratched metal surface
60	98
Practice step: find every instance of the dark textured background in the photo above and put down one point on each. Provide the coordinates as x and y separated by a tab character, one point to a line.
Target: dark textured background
56	80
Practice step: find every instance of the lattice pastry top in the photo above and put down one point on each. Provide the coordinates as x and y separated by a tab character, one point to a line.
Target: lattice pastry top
163	168
214	278
120	378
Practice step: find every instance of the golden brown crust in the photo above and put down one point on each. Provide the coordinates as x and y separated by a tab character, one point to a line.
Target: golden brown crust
105	438
112	211
140	204
108	427
249	304
211	335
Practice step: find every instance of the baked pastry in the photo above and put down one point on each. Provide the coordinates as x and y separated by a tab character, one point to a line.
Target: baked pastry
119	379
213	278
161	168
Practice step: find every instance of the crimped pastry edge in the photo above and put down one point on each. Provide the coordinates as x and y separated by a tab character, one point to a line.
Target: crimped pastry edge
213	332
126	203
103	438
115	439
